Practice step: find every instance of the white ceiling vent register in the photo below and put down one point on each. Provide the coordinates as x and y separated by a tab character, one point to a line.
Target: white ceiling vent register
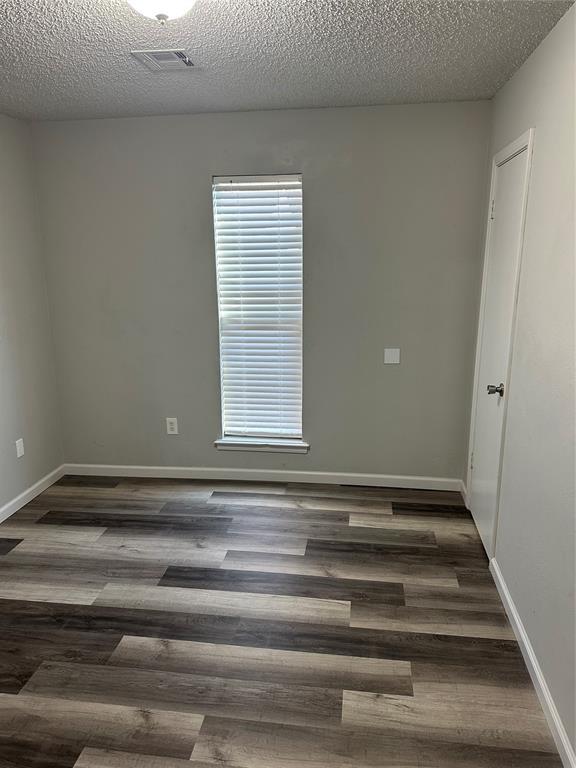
164	61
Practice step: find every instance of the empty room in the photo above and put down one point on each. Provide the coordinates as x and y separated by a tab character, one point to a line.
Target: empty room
287	384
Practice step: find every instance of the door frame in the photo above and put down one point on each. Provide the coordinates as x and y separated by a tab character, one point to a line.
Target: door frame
525	142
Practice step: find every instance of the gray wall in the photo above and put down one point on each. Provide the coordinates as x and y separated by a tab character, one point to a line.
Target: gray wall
28	405
393	227
535	541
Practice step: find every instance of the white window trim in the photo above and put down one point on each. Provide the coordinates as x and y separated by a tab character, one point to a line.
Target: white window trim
264	445
269	444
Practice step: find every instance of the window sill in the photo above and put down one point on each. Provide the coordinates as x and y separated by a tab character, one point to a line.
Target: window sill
267	445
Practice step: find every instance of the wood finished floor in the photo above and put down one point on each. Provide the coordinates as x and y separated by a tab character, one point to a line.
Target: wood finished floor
180	624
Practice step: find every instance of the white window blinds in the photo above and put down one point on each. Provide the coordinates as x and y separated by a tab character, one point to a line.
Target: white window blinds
258	237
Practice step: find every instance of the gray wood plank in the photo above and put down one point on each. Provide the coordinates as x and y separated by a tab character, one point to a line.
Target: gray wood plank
241	699
320	670
80	723
403	618
457	719
221	603
106	758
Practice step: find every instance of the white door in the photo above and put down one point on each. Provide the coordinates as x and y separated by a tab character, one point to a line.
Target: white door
501	271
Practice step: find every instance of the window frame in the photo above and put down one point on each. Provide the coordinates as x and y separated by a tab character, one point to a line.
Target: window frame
262	443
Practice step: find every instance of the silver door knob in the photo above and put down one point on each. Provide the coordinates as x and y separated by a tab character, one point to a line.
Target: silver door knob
496	390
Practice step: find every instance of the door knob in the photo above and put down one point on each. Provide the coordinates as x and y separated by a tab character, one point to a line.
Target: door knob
493	389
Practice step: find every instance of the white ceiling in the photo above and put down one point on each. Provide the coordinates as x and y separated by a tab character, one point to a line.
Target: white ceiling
71	58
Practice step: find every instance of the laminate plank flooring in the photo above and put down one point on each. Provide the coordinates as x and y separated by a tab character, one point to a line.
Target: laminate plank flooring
309	501
6	545
435	523
323	587
154	623
70	568
383	568
268	517
435	621
62	534
479	600
21	653
108	758
265	664
456	718
188	542
142	520
164	551
280	635
71	725
509	688
266	745
221	603
46	591
226	697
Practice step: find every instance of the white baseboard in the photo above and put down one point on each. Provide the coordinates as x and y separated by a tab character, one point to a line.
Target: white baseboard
31	492
271	475
464	492
565	748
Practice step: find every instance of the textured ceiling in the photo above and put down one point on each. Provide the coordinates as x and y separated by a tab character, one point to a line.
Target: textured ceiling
71	58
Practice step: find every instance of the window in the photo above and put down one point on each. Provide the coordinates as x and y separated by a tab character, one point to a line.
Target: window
258	240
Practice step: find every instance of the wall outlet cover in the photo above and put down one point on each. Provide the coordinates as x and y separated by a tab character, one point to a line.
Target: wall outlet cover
171	425
391	356
19	447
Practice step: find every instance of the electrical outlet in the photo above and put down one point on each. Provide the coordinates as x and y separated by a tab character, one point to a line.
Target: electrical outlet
19	447
171	425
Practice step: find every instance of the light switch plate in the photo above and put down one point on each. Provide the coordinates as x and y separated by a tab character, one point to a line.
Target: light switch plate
19	447
391	356
171	425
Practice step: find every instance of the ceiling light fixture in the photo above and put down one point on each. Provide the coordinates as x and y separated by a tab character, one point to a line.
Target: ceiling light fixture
162	10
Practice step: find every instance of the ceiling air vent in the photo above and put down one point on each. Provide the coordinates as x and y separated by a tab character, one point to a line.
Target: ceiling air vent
164	61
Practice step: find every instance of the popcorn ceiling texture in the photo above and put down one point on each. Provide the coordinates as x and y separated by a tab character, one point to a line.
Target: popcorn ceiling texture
64	59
